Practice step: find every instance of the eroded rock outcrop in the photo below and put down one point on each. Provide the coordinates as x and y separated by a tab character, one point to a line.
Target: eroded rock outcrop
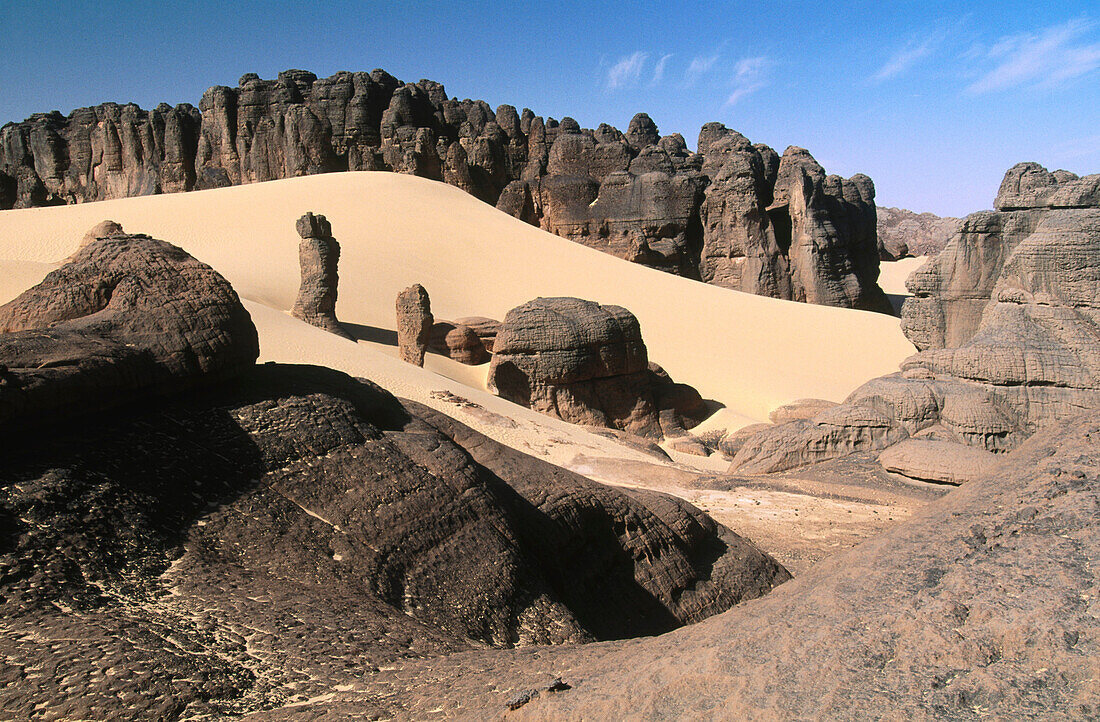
1007	321
414	324
126	317
458	342
318	258
722	214
587	364
950	292
979	605
905	233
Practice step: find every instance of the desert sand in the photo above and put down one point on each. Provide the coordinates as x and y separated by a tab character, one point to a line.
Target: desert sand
749	353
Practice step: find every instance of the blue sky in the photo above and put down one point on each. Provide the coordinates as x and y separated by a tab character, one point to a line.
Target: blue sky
933	102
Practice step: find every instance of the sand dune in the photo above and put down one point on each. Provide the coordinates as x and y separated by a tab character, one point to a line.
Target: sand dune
892	274
747	352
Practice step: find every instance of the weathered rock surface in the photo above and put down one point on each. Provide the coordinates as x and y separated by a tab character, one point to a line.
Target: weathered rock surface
318	257
723	214
485	328
939	461
800	409
414	324
126	316
831	433
250	542
982	604
587	364
458	342
1007	320
905	233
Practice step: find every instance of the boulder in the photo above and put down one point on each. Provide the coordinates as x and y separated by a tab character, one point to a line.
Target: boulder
457	342
586	364
318	258
414	324
127	317
485	328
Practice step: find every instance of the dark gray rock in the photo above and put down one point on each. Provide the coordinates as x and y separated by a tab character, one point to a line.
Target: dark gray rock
125	318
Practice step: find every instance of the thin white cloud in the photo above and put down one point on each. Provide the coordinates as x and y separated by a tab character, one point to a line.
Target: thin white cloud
699	66
627	70
749	76
659	71
905	58
1045	58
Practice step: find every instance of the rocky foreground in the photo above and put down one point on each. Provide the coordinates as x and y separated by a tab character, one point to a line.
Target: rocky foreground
732	213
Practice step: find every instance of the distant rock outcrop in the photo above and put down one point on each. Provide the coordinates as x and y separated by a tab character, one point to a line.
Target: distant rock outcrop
951	292
126	317
318	257
414	324
732	213
905	233
587	364
1007	319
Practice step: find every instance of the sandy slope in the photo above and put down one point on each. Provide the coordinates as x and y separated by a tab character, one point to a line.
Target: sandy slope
749	352
892	274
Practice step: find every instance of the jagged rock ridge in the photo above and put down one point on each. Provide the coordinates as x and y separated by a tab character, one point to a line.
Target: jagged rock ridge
733	214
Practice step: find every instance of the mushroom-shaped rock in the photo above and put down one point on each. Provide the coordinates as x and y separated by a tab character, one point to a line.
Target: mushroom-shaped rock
414	324
579	361
318	256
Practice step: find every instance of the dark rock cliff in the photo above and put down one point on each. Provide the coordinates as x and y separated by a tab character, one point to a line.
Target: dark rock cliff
732	214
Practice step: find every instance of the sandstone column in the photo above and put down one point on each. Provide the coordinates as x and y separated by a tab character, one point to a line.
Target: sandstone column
318	254
414	323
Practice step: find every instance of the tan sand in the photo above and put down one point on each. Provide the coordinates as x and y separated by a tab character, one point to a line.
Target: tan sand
892	274
749	352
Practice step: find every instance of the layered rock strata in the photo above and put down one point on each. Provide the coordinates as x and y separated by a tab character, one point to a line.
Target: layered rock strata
1031	276
731	213
318	258
587	364
904	233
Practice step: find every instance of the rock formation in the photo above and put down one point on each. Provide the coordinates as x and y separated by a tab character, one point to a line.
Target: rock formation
458	342
905	233
127	316
732	213
980	605
244	541
1007	318
587	364
951	292
318	257
414	324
